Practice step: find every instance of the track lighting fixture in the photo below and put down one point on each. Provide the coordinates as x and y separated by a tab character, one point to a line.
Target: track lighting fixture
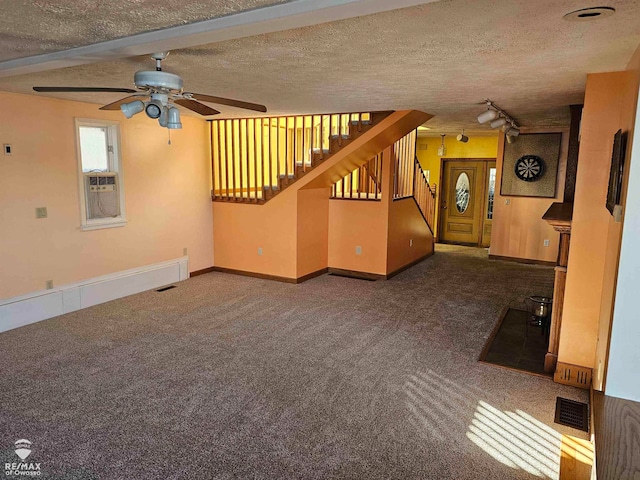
487	116
441	150
462	137
499	118
498	122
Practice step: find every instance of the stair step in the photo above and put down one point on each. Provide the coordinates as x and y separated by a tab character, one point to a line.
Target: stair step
344	137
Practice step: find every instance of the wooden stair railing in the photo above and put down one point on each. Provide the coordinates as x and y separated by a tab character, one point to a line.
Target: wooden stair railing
411	181
364	183
254	159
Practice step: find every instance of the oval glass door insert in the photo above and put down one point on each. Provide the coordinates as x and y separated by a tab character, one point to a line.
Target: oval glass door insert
463	192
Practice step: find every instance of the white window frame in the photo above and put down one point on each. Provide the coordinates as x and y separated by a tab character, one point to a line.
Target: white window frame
115	165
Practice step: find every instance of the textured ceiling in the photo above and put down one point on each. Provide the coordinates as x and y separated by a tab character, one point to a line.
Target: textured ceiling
43	26
442	58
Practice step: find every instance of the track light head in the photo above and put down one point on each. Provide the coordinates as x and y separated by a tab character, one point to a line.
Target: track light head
511	139
498	122
132	108
173	119
462	138
487	116
513	132
153	108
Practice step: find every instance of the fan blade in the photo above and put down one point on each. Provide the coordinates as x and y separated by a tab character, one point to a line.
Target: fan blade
83	89
197	107
229	101
116	105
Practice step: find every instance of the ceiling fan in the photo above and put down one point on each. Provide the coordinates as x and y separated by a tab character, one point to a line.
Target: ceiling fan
157	93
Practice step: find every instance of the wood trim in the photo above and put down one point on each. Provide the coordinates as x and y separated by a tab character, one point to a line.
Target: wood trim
574	375
356	274
202	272
266	276
311	275
527	261
408	265
572	155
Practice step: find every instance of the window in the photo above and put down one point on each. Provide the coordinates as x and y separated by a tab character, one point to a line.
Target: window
100	174
491	192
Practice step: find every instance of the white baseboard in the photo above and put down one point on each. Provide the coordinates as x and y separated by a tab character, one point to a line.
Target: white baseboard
34	307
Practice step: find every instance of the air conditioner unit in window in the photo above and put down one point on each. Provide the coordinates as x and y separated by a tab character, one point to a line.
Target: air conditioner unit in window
101	193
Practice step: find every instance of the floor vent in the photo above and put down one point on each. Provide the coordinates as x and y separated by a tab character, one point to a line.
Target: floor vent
572	414
164	289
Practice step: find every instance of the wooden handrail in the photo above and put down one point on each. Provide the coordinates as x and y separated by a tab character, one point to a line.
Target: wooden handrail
250	165
364	183
409	178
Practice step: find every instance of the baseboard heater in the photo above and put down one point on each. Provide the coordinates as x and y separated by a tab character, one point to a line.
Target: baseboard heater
33	307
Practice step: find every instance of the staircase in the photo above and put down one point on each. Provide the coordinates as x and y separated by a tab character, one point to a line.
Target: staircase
255	159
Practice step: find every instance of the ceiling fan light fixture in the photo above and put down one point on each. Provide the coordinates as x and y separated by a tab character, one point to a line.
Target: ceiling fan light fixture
173	119
163	120
487	116
153	108
132	108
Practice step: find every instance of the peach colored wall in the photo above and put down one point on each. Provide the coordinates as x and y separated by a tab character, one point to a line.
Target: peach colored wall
612	256
354	223
406	223
595	241
518	229
313	230
166	195
240	229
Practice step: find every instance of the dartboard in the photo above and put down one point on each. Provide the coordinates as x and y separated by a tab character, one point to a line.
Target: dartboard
529	168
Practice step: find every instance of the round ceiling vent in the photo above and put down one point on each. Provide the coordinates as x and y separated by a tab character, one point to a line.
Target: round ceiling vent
588	14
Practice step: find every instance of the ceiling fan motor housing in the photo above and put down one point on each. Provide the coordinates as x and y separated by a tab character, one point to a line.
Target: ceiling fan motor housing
154	80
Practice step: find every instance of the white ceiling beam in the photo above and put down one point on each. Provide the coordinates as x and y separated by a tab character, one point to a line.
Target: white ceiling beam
276	18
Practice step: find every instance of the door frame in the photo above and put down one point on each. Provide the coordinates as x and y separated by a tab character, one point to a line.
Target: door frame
443	160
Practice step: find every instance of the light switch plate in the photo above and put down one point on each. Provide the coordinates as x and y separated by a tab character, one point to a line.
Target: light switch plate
358	250
41	212
7	149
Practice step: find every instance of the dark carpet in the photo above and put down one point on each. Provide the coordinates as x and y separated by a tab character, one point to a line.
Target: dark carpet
233	377
515	346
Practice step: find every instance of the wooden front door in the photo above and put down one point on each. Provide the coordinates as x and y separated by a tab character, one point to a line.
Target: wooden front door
465	208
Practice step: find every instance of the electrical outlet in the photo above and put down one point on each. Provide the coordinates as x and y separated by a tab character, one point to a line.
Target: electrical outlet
185	252
358	250
546	243
411	242
260	251
7	149
507	201
49	284
41	212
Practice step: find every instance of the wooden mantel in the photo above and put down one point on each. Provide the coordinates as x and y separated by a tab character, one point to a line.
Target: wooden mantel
559	216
